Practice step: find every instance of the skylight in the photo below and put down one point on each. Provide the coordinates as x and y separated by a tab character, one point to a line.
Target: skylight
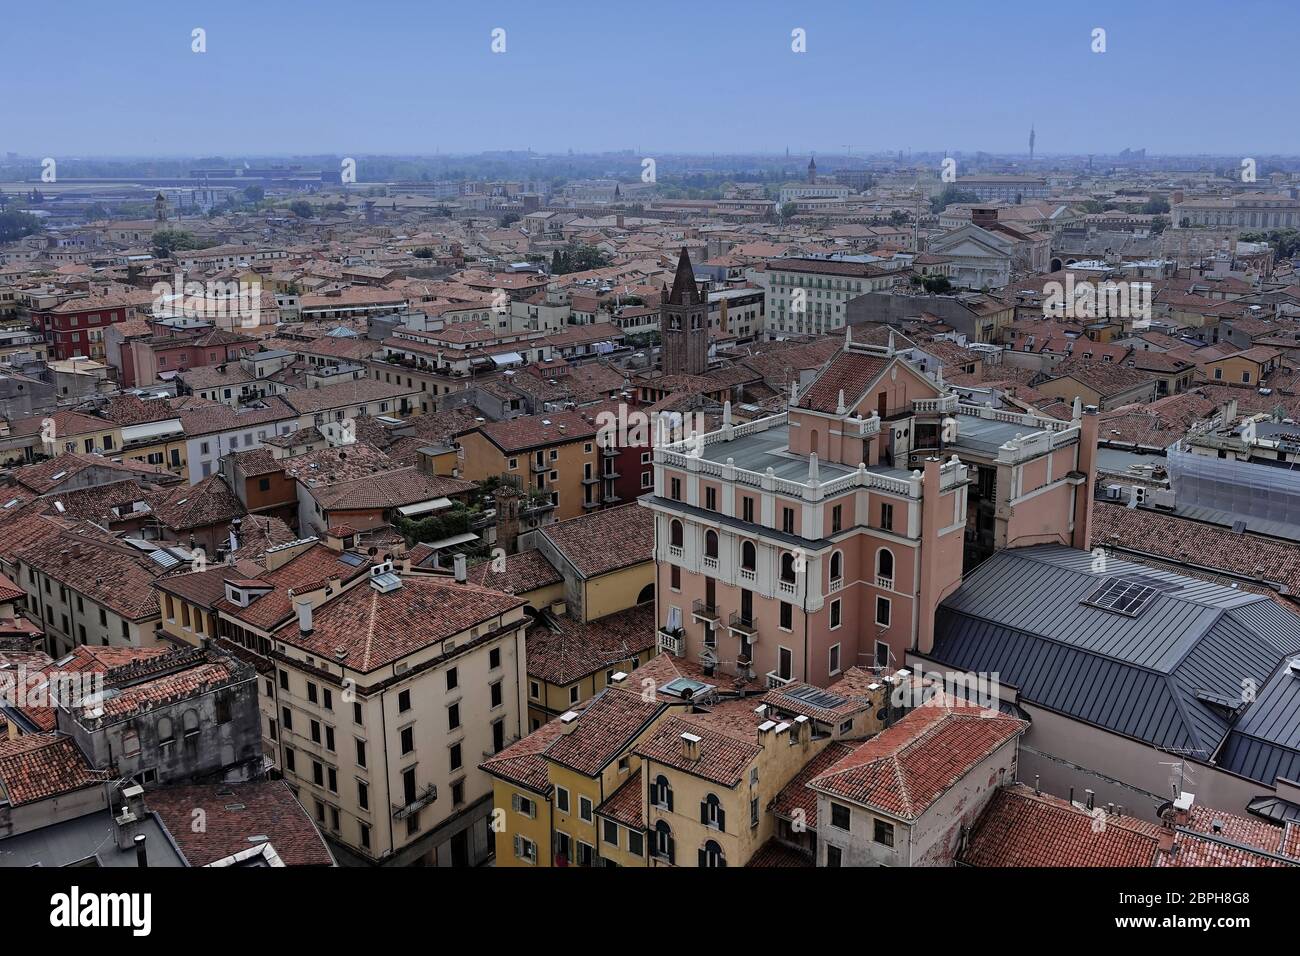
1128	596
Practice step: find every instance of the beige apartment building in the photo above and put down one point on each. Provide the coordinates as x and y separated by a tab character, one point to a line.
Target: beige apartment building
388	695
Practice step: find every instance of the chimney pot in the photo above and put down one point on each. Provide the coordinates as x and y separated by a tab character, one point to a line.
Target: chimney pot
459	564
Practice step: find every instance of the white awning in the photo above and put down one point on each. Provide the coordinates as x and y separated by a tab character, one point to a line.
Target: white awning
508	358
424	507
454	540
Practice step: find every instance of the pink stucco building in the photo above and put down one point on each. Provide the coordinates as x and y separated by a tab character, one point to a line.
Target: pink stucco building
796	546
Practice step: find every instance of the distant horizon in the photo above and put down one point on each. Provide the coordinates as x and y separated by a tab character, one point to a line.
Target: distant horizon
409	78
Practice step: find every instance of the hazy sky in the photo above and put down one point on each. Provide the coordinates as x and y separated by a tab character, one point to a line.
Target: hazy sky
390	76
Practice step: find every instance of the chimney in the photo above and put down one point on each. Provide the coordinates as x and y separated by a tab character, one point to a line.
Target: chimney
568	722
983	216
1089	425
1091	797
459	564
303	607
690	747
141	854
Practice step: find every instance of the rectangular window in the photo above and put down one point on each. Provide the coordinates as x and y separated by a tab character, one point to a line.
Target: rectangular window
404	701
882	611
711	498
787	616
835	659
361	753
635	842
562	799
585	808
453	679
454	757
787	520
747	509
408	739
839	816
835	614
883	833
453	716
886	517
834	856
611	833
497	696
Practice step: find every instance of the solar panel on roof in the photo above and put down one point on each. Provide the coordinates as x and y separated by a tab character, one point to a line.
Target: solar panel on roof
816	697
355	560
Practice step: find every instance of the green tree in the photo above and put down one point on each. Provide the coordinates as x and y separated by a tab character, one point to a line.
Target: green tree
167	241
578	257
788	210
254	193
424	252
951	194
15	225
1155	207
96	212
302	209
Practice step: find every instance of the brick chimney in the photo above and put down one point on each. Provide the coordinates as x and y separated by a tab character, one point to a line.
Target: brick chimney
984	216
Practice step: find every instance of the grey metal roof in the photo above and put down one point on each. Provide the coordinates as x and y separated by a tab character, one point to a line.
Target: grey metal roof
1265	743
1174	676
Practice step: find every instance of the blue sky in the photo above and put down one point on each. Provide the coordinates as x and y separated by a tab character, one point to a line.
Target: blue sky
390	76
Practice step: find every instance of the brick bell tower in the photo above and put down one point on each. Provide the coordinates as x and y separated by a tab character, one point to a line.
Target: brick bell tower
684	324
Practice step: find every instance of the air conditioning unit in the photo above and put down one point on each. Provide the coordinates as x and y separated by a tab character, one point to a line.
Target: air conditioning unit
1114	492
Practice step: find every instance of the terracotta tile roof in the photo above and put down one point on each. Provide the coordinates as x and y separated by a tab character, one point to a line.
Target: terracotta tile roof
665	668
1192	542
47	475
206	588
365	630
908	766
83	659
306	401
313	567
9	591
523	572
237	817
209	502
605	541
167	688
1216	838
606	728
795	796
627	805
728	742
388	489
206	419
852	372
100	567
259	533
38	766
774	854
574	648
537	431
523	762
1105	378
1020	828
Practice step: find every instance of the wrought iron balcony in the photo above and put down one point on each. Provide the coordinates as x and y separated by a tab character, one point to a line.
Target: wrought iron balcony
743	624
422	800
704	610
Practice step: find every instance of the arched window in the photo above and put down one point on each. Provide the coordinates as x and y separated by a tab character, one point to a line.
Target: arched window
712	814
664	847
885	564
661	794
787	567
165	732
646	595
675	533
748	556
711	855
837	565
130	743
190	721
710	544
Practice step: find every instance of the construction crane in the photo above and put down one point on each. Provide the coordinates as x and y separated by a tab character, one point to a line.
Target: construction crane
851	146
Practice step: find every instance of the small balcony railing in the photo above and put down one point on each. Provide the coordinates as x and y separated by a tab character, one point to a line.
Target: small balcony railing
704	610
786	587
884	582
835	584
674	642
422	800
775	680
745	624
748	575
